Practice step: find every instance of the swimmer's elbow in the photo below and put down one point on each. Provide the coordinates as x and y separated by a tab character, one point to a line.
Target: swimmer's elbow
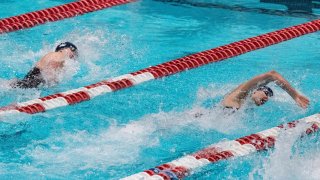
273	74
226	102
223	102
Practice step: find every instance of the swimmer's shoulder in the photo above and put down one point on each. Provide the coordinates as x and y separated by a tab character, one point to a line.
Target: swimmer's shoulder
230	102
53	56
235	98
49	58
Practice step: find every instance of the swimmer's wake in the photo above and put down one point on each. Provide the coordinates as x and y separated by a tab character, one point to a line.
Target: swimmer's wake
192	61
180	168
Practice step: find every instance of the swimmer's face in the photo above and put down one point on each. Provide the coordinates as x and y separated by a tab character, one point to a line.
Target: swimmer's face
71	54
259	97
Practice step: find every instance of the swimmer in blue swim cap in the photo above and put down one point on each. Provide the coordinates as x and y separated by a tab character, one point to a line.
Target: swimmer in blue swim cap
47	69
257	90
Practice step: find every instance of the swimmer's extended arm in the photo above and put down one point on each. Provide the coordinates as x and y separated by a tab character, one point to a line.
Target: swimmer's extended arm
234	99
285	85
242	91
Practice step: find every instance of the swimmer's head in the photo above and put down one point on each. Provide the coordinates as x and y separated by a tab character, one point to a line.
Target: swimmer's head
68	45
261	95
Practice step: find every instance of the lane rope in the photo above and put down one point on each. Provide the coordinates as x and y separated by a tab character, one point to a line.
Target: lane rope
165	69
56	13
182	167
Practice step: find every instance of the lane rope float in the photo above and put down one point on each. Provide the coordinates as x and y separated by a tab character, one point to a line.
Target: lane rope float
165	69
56	13
182	167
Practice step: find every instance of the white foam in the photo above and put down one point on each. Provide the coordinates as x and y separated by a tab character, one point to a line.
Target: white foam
115	146
119	145
98	50
285	163
81	150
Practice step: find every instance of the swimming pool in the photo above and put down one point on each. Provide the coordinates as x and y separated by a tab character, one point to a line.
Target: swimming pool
122	133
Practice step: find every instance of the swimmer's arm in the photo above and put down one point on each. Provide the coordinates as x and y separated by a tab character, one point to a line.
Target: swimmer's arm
272	76
264	79
234	99
260	80
285	85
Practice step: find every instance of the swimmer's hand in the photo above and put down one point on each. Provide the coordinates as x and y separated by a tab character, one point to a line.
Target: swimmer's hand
302	101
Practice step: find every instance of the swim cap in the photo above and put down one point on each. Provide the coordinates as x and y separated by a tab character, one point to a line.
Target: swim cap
66	45
268	91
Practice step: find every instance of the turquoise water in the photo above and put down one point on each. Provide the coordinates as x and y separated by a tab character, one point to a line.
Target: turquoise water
134	129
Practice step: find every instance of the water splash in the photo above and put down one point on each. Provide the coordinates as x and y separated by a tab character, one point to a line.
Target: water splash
289	160
118	145
98	52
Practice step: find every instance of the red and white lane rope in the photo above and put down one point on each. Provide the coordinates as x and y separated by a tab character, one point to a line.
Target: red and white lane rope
56	13
182	167
192	61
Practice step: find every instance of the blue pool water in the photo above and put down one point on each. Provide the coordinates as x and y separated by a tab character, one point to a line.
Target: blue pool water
134	129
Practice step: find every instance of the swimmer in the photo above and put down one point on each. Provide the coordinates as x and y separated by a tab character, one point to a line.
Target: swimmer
260	93
47	69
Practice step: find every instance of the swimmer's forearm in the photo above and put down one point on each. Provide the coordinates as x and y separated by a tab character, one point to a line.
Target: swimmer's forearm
259	80
283	83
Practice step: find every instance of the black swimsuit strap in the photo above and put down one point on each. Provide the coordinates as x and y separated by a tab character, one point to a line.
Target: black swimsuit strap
32	80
